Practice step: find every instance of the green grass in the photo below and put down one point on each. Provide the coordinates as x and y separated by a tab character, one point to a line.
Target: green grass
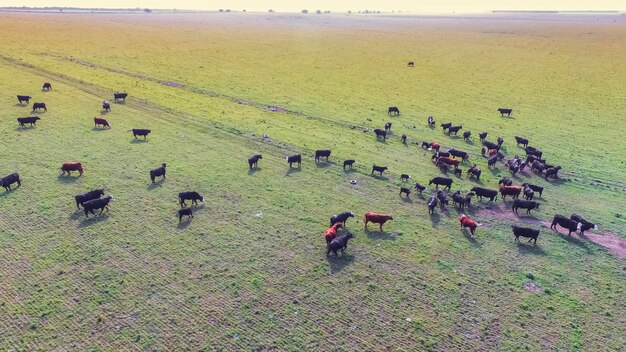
250	272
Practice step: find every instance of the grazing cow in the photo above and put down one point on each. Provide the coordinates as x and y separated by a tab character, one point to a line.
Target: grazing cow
443	167
525	232
98	203
445	126
500	140
185	212
404	177
537	166
513	191
569	224
403	138
439	154
586	225
379	169
193	196
458	153
321	154
525	204
40	106
47	86
442	197
405	191
294	159
411	64
8	180
98	121
432	203
431	121
482	136
484	192
492	161
521	140
505	181
388	126
140	132
531	158
449	161
31	120
72	166
85	197
466	135
474	171
491	145
331	233
552	172
342	218
435	146
441	181
458	199
534	151
120	97
534	188
393	110
380	133
503	111
159	171
529	194
254	160
349	163
469	223
106	106
468	198
375	218
454	129
340	242
23	99
419	187
458	172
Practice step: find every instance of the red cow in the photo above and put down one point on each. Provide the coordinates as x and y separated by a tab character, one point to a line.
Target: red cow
449	161
435	146
72	166
100	121
331	233
377	219
513	191
467	222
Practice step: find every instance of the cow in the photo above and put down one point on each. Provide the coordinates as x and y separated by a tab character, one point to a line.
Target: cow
529	194
31	120
193	196
454	129
432	204
458	199
321	154
98	203
500	140
513	191
294	159
442	197
586	225
435	146
468	199
431	121
47	86
404	177
185	212
569	224
159	171
405	191
253	160
505	181
534	188
23	99
72	166
484	192
140	132
537	166
513	168
448	161
331	233
411	64
338	243
419	187
388	126
441	181
506	111
445	126
380	133
482	136
466	135
525	204
342	218
403	138
518	232
491	145
39	106
458	172
474	171
106	106
98	121
8	180
443	167
458	153
552	172
379	169
120	97
85	197
393	110
349	163
469	223
534	151
492	161
521	140
439	154
531	158
375	218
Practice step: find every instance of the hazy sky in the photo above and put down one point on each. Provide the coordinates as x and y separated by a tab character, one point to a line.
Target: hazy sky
420	6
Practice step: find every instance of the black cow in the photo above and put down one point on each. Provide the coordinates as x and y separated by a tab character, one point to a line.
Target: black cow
530	158
23	99
491	145
432	203
505	181
120	97
458	153
159	171
569	224
404	177
253	160
484	192
106	106
534	188
492	161
185	212
552	172
405	191
445	126
521	140
533	151
98	203
537	166
439	154
525	232
503	111
474	171
380	133
458	172
586	225
466	135
500	140
294	159
468	198
8	180
442	197
482	136
40	106
388	126
393	110
419	187
140	132
321	154
193	196
443	181
403	138
426	145
340	242
525	204
349	163
411	64
431	121
454	129
379	169
31	120
342	218
529	194
47	86
458	199
85	197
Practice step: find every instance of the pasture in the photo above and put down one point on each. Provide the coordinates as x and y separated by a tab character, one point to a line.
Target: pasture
250	271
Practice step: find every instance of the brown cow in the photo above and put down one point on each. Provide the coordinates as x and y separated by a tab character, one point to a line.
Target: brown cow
449	161
377	219
513	191
72	166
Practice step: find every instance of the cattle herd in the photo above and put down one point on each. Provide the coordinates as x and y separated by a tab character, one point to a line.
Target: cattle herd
95	199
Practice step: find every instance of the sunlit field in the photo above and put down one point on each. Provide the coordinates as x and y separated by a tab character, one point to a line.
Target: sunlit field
250	271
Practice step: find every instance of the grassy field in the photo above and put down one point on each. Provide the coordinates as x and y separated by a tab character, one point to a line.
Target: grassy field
250	271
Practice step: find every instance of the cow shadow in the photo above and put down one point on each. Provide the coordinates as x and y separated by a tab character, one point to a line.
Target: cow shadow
454	137
137	140
156	184
253	170
100	129
556	181
68	178
383	141
480	182
77	214
292	170
434	219
93	219
348	171
379	177
104	112
323	164
378	235
338	263
578	242
407	200
524	247
121	102
21	105
6	193
184	224
495	171
472	240
27	128
470	142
